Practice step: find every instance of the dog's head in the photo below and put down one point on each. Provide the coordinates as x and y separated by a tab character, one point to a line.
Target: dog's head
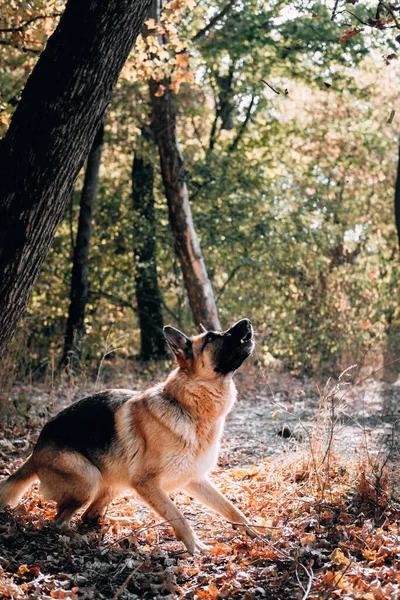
212	353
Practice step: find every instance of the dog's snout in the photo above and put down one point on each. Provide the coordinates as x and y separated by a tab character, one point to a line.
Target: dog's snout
242	330
247	336
247	323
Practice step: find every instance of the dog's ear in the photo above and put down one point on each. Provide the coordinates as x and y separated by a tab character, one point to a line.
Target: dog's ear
179	343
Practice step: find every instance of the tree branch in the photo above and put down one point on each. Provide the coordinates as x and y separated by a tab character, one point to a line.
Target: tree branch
334	12
170	312
213	132
113	298
243	126
390	11
213	21
270	87
20	48
24	25
200	186
358	18
231	276
197	132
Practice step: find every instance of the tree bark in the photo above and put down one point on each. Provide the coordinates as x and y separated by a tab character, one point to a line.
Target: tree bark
50	135
148	295
80	268
187	247
397	201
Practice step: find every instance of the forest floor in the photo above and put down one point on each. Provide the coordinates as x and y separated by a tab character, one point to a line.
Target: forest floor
316	470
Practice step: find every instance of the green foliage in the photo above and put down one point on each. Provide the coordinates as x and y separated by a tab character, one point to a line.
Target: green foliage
292	193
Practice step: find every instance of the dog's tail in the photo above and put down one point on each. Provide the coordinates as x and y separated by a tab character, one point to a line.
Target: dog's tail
12	488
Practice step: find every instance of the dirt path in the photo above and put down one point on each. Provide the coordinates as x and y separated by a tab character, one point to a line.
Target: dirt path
275	414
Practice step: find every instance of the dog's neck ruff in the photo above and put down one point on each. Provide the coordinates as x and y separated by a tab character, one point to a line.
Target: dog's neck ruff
201	398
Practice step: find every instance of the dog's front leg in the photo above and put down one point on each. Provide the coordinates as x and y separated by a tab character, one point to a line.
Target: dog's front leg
154	495
209	495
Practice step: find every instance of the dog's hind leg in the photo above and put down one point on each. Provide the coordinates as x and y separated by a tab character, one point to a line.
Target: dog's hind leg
68	478
98	506
209	495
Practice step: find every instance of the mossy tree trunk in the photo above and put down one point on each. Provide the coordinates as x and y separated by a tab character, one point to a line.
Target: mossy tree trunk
148	295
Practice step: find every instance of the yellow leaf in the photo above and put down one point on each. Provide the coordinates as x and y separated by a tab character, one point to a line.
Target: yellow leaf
23	569
5	120
339	558
160	91
150	24
180	45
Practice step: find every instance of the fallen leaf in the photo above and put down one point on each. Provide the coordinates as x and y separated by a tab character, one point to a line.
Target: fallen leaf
339	558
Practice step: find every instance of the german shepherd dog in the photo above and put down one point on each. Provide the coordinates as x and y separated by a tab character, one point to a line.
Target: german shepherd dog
164	439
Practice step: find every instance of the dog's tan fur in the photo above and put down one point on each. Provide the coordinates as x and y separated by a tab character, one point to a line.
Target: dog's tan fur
160	446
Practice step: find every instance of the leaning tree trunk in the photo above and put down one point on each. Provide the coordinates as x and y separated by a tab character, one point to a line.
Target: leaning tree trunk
50	135
80	266
148	295
397	200
187	247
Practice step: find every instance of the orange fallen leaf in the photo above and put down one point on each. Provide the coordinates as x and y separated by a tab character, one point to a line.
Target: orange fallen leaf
210	592
219	549
308	540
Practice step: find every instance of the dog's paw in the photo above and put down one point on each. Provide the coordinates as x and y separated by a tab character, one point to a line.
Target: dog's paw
195	546
200	547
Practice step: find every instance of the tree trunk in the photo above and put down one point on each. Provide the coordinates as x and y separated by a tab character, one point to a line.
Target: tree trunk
187	247
148	295
397	200
80	268
50	135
